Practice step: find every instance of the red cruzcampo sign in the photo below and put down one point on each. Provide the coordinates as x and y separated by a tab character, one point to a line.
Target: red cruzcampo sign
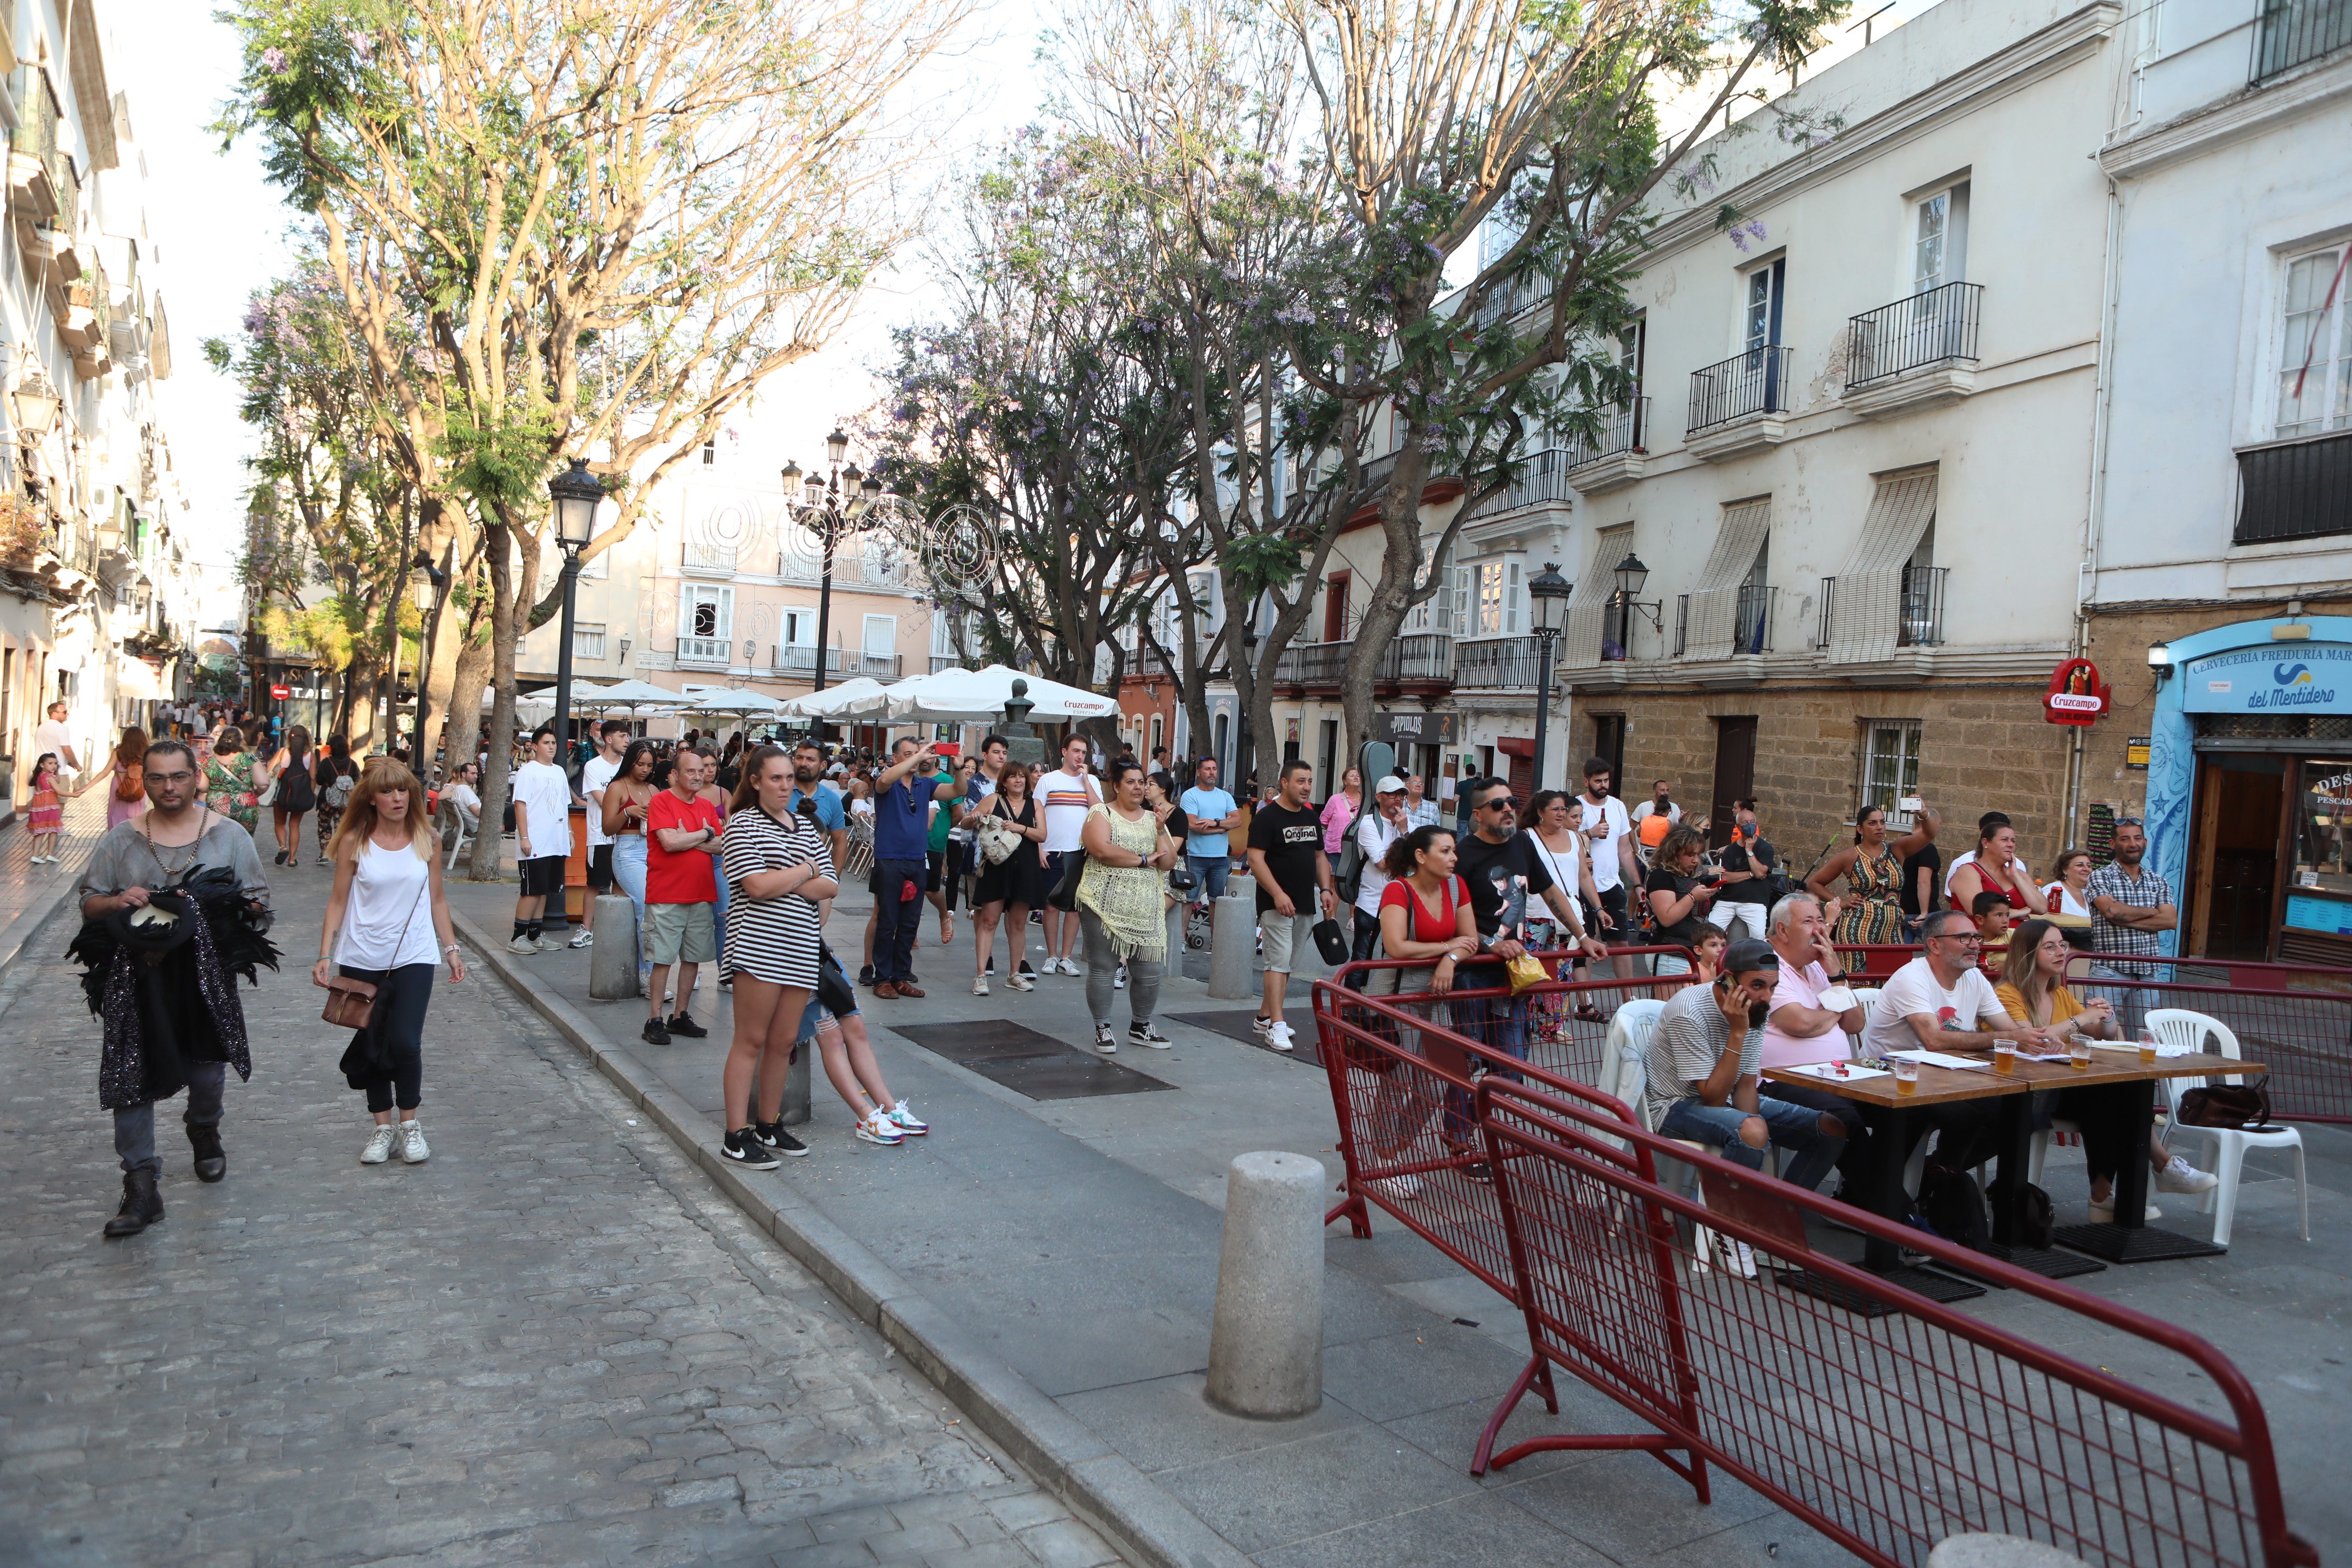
2077	695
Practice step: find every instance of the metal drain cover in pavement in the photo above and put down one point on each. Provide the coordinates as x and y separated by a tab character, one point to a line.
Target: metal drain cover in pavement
1023	1059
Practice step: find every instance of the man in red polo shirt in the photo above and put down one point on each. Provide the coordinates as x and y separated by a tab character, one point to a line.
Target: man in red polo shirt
681	887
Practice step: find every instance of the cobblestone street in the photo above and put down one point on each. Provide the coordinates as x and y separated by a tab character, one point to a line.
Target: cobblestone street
553	1342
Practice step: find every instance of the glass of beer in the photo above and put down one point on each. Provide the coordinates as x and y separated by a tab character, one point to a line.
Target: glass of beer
2004	1056
1906	1076
2078	1052
2147	1046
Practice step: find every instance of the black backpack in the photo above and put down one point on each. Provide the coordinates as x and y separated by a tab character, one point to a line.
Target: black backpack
1950	1202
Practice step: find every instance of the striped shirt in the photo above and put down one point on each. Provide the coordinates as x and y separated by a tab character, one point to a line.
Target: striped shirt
773	940
1067	797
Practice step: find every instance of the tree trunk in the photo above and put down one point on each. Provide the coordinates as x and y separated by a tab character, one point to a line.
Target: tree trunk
472	674
1391	598
484	866
439	684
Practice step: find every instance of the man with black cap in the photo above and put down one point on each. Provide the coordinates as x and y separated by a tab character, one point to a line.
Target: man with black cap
1703	1066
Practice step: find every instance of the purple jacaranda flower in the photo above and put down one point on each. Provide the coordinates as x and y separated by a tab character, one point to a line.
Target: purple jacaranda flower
273	59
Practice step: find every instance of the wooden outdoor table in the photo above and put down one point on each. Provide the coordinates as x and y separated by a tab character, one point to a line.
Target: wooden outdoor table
2130	1239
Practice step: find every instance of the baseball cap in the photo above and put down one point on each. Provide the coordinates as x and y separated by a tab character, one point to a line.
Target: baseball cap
1749	953
1389	785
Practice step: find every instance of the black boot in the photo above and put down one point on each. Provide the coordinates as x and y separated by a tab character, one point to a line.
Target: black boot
212	1165
142	1205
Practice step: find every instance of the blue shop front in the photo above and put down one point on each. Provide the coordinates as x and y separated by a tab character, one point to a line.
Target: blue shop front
2250	789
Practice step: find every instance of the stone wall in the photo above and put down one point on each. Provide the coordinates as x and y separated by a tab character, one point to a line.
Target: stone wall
1981	748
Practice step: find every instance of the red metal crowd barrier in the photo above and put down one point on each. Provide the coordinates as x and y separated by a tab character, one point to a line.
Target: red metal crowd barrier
1402	1079
1886	1421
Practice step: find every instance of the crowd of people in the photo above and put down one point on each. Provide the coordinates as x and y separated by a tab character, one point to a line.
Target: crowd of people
730	854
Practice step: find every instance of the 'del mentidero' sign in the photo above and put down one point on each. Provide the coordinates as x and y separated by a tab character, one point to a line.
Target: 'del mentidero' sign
2283	678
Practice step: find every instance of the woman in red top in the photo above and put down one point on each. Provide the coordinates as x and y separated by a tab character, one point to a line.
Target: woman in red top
1425	919
1997	869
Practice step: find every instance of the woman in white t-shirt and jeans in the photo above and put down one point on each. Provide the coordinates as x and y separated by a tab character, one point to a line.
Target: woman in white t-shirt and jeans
387	923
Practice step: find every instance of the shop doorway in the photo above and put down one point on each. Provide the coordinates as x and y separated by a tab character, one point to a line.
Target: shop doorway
1735	776
2236	854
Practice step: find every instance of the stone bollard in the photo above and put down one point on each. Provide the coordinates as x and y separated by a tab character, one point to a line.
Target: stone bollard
612	962
1233	944
1265	1344
1999	1551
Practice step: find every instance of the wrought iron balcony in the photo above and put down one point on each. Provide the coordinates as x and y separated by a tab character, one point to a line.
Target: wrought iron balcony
1622	429
2289	32
1918	606
1421	658
2302	489
799	660
1542	480
1928	330
717	651
1701	630
1492	662
1745	386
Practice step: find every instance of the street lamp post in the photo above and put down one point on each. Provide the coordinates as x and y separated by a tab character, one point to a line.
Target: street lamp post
1550	593
574	492
838	512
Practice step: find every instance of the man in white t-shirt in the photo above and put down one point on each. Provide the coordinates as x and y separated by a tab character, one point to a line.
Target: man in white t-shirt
543	803
1376	830
612	739
53	736
1940	1001
1609	841
1067	794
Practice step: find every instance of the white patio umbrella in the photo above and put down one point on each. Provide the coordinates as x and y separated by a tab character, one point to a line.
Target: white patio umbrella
862	698
631	694
740	702
976	696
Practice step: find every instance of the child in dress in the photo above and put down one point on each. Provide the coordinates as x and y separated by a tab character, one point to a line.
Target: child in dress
46	815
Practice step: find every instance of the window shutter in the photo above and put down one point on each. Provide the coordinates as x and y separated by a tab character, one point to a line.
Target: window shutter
1461	616
1514	600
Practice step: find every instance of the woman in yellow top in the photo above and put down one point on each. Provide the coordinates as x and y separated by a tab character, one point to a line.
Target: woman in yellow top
1122	907
2032	990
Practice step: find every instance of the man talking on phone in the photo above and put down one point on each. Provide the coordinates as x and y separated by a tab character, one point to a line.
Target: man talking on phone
1702	1063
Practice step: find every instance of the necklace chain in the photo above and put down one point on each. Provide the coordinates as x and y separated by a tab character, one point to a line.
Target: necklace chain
171	873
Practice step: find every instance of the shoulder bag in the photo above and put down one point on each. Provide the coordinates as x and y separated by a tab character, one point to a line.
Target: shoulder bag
351	1003
2232	1105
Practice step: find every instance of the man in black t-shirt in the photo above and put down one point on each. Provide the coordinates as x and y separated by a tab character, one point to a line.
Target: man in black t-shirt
1504	870
1285	857
1749	861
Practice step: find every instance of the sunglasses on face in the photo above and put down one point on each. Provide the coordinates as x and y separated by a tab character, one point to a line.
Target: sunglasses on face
1500	803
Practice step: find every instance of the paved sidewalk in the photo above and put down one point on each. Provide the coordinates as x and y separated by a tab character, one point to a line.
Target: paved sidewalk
555	1342
1077	1238
28	892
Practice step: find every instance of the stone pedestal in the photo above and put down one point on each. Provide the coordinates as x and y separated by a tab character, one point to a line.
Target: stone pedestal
1265	1344
1233	926
612	962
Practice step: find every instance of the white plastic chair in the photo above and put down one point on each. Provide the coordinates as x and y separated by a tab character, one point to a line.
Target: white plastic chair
461	839
2178	1026
1625	1074
1866	997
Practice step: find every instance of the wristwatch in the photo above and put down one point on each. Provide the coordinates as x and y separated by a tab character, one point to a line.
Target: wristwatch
1839	978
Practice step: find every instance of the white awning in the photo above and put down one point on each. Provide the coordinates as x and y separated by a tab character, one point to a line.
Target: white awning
1712	611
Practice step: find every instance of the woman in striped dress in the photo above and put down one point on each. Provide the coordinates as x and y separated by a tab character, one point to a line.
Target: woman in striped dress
776	867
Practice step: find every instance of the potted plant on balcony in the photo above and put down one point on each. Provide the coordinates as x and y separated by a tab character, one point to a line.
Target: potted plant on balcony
24	535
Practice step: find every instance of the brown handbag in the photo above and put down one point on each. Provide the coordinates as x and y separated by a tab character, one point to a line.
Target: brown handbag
350	1003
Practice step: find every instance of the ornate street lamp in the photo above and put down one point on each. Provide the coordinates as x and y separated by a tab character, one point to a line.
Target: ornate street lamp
836	506
1549	593
575	493
1631	575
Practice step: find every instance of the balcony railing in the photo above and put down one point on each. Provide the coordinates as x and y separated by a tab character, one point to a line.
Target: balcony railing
1745	386
706	650
799	659
2301	490
708	557
1496	662
1624	429
2290	32
1420	657
1919	606
1936	328
1750	631
1542	480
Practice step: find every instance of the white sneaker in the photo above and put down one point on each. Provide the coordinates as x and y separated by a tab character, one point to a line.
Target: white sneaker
1399	1189
585	938
1071	968
879	1129
1279	1037
1019	981
1118	981
1104	1042
979	985
2179	1176
413	1147
902	1116
379	1146
1263	1026
522	944
2105	1212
